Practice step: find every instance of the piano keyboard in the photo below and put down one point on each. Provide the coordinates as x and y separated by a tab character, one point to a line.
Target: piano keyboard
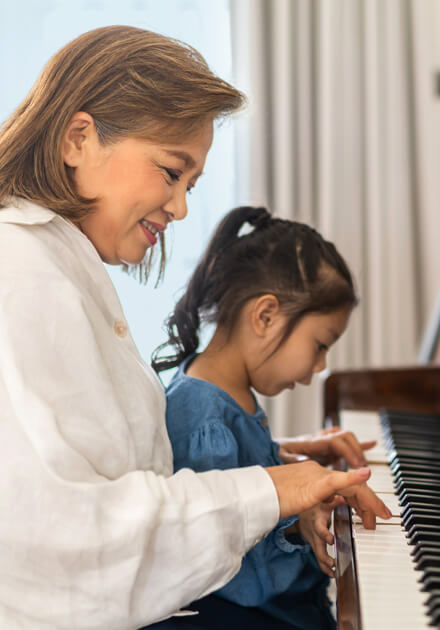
398	564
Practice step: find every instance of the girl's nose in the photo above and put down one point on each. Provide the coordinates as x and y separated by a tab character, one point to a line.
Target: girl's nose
320	365
176	207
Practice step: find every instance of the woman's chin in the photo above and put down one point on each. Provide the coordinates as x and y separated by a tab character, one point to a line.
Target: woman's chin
133	259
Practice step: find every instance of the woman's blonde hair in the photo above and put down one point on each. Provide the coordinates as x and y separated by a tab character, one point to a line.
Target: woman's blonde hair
132	82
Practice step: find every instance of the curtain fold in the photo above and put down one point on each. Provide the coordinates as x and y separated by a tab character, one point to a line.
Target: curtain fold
343	132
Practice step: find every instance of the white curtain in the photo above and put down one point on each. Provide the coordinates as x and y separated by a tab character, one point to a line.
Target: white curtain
343	132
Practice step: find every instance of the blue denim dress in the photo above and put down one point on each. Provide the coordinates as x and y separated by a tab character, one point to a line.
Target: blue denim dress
209	430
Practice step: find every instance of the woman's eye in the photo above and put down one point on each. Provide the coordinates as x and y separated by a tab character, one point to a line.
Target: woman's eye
173	175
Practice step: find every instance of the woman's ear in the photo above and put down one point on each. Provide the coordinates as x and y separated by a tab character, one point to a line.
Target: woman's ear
264	313
80	132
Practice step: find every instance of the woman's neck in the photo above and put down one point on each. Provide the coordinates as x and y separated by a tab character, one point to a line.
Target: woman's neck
222	364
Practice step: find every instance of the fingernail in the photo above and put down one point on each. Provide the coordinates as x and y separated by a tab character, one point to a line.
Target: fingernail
364	470
389	513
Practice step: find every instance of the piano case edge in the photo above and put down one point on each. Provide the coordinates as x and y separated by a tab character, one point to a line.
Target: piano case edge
413	388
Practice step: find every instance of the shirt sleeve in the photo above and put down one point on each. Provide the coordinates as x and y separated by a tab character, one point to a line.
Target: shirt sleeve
275	564
89	540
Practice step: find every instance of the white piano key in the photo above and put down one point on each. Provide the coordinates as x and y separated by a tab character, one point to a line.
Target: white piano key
366	426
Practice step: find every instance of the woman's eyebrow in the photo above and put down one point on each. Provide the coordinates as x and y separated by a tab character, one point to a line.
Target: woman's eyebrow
183	155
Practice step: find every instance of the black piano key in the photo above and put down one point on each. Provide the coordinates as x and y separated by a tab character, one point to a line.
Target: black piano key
410	483
417	495
414	457
425	575
412	447
414	476
422	537
413	466
421	549
421	485
429	585
420	521
408	463
433	605
433	598
411	506
413	444
428	561
432	504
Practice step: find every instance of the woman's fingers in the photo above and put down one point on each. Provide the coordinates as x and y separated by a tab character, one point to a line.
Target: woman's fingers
337	482
301	486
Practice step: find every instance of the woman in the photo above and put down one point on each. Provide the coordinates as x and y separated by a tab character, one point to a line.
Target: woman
96	532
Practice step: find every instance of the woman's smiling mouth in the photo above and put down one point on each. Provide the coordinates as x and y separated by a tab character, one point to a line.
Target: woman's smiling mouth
150	230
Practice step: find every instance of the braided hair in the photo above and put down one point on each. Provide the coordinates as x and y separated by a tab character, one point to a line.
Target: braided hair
252	254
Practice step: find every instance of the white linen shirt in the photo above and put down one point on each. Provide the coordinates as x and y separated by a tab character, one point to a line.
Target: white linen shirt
96	533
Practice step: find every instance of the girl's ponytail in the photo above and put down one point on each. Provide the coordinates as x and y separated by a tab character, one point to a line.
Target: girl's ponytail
204	290
251	254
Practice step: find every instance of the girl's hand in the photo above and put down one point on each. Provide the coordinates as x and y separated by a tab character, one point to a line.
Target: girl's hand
326	445
304	485
313	525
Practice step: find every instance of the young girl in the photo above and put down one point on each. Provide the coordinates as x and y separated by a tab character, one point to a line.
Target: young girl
280	296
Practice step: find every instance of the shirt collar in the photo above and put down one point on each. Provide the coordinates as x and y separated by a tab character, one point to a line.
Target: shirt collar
24	212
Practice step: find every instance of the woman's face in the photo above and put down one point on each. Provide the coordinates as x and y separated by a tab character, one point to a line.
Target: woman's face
140	186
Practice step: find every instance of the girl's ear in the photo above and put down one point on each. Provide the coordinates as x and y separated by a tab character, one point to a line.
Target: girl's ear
80	131
264	312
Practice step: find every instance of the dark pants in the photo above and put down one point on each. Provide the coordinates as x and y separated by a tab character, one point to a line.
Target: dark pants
216	613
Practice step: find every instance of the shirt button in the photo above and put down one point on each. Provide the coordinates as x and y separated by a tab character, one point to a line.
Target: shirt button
120	328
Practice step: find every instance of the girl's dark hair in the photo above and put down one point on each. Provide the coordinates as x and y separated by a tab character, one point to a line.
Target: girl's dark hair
287	259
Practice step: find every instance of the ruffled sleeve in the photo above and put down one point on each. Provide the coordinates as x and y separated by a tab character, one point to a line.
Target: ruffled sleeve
275	564
211	445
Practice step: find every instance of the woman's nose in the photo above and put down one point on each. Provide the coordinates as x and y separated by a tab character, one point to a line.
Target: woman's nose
176	207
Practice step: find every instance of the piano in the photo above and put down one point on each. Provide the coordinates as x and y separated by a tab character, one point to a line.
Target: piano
389	578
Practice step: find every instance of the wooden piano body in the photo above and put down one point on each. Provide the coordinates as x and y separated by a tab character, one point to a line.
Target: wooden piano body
411	389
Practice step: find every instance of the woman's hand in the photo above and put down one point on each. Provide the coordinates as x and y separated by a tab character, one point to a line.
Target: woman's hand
304	485
325	446
313	525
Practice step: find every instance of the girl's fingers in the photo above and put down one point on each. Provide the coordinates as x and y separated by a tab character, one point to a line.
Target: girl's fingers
325	561
325	534
368	519
292	458
330	430
347	446
367	445
367	504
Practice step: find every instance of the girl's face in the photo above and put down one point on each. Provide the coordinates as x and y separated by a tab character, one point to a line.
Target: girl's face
302	354
140	186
